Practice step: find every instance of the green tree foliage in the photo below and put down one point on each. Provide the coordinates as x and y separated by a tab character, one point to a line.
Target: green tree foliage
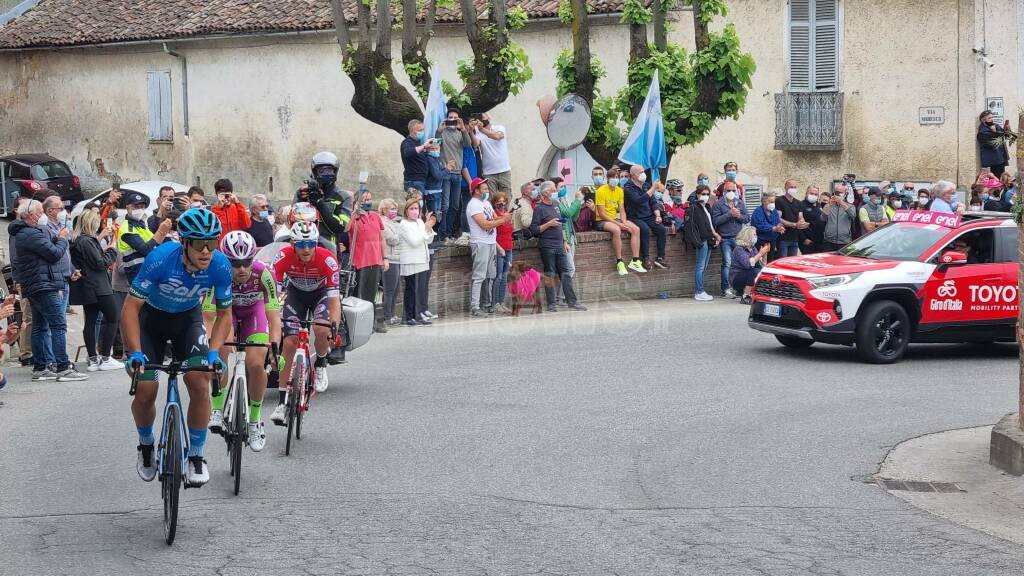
697	89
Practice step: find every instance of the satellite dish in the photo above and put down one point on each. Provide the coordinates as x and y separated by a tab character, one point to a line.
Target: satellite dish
569	122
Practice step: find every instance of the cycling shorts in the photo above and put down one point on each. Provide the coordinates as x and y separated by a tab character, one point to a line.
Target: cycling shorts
297	304
252	328
184	331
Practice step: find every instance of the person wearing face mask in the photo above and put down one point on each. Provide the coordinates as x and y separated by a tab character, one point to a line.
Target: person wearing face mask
392	275
1009	186
134	240
991	198
728	215
924	199
164	208
731	170
642	211
791	211
483	246
93	291
262	227
840	214
522	211
56	220
503	260
414	151
872	213
610	217
767	221
569	206
944	198
369	254
547	226
812	237
992	141
893	203
414	236
41	276
699	233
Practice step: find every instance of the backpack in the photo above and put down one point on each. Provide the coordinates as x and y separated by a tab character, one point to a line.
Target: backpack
691	236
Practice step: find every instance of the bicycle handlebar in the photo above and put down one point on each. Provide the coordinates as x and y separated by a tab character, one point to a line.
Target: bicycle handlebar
174	369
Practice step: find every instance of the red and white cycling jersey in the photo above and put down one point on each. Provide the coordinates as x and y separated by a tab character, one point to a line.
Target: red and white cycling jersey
320	273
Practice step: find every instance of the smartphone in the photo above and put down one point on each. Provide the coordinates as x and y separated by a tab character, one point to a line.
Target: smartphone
451	122
364	175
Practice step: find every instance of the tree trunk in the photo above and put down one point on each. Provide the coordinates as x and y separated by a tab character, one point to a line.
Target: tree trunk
391	108
660	29
581	51
707	90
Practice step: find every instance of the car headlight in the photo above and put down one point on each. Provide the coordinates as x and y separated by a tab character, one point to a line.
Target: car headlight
831	281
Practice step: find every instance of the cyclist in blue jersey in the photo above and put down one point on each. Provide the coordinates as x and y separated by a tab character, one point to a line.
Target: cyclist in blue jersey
164	305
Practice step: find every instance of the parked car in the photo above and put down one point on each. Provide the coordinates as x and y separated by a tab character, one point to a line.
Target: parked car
150	188
26	174
938	279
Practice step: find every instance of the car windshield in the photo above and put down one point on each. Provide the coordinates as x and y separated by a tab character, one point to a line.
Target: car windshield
895	242
48	170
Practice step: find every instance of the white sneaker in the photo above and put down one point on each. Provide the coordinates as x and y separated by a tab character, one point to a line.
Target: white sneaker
321	379
257	437
110	364
94	365
429	314
146	466
216	422
277	416
703	297
196	473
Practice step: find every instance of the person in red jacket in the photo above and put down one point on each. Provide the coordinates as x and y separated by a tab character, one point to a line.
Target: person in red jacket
232	214
503	260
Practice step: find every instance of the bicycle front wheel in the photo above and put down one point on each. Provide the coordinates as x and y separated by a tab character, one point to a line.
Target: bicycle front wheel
307	391
171	456
238	432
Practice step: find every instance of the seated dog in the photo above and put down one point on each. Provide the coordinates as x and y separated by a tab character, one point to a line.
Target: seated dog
523	287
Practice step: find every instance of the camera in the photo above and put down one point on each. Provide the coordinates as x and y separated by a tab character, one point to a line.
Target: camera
315	192
451	123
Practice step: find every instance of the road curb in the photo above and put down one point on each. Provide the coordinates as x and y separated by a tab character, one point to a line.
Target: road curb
1006	446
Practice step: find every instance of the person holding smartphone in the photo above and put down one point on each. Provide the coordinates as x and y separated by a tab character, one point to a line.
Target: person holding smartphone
454	138
231	213
992	141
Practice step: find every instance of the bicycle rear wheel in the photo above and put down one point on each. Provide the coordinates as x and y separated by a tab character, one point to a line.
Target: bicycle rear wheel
292	407
238	432
307	390
170	480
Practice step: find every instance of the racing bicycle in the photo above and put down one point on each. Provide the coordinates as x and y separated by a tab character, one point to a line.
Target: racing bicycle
172	451
302	379
236	407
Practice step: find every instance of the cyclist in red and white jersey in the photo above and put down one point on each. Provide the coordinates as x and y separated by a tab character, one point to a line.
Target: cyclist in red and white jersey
313	279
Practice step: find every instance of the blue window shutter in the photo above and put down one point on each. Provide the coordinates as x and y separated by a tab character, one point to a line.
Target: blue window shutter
159	91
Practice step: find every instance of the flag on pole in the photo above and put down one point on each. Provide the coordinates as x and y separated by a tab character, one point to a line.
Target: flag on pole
437	110
645	145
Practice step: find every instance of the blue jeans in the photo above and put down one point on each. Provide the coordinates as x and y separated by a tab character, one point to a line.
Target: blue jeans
787	248
420	185
48	316
556	265
727	246
451	203
502	265
432	203
703	257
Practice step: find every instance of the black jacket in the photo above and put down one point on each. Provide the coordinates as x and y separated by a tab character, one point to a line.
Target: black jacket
39	258
992	154
816	232
697	226
93	262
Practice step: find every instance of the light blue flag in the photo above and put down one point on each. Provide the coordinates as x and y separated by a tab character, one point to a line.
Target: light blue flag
437	110
645	144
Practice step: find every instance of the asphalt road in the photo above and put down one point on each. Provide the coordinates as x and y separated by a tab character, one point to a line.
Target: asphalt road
657	438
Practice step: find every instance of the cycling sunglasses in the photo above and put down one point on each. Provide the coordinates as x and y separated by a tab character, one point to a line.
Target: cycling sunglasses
241	263
208	245
305	244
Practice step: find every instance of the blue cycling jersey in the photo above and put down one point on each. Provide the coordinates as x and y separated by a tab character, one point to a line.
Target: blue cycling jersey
165	285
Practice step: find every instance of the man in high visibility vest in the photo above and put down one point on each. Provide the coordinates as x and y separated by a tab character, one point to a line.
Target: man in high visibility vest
134	240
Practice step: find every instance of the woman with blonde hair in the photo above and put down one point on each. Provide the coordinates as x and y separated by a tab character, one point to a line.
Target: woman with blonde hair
414	236
388	209
93	291
746	263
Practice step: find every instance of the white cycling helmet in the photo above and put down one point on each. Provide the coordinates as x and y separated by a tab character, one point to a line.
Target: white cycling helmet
238	245
303	211
324	159
305	231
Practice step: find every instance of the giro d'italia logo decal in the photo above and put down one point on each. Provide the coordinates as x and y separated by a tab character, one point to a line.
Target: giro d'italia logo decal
947	290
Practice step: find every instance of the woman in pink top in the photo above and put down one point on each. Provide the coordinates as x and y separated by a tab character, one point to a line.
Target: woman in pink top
369	254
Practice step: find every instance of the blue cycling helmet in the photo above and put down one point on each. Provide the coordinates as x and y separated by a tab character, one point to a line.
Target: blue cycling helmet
199	224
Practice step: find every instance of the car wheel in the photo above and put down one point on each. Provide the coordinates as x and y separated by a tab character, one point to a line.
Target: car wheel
883	331
793	341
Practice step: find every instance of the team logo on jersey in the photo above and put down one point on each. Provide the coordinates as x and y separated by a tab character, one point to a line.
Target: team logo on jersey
331	262
177	288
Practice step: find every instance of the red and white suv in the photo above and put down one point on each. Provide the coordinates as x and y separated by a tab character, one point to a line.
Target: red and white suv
929	278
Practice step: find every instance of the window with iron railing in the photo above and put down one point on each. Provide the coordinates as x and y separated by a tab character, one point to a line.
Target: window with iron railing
809	115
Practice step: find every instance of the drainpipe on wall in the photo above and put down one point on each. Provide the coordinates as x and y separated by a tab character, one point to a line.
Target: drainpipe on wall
184	84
